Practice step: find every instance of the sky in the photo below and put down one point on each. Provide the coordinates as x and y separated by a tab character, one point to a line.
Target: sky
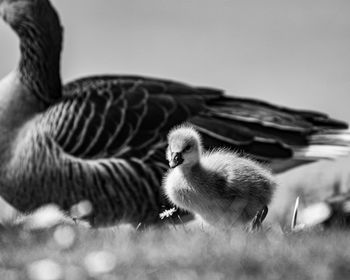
294	53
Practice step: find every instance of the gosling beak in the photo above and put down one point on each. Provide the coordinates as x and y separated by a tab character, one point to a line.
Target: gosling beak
176	159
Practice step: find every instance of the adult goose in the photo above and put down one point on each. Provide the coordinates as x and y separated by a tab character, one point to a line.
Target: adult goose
103	138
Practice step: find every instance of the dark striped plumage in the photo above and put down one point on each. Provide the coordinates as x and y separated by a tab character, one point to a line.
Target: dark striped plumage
103	138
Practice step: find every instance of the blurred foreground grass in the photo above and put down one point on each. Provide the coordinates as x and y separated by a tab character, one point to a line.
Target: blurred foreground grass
74	252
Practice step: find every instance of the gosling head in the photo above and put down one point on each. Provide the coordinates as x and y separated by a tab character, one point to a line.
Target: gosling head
184	147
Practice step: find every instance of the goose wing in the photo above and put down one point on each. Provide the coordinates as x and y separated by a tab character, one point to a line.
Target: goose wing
130	116
124	116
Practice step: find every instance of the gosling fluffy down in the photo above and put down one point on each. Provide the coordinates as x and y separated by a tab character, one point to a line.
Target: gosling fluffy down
221	187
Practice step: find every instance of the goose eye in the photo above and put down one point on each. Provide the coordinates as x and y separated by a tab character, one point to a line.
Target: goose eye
187	148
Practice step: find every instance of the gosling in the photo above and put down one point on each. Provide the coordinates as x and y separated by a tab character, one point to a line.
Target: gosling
220	187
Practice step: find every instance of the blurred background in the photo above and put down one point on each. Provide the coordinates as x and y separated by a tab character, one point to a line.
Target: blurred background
294	53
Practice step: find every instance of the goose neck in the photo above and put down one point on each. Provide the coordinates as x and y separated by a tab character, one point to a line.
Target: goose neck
38	27
39	66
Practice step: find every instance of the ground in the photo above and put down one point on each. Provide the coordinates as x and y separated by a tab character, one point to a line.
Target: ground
74	252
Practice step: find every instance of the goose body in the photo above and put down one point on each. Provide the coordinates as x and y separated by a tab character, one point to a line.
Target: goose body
222	188
103	138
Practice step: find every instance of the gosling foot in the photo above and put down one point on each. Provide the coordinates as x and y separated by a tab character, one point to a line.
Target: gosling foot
256	223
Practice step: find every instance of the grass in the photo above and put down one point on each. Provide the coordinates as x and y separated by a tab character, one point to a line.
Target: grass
171	253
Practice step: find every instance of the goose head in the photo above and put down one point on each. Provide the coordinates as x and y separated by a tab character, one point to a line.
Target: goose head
184	147
38	27
21	13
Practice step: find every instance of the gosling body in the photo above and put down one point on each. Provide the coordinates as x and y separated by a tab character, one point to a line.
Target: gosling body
221	187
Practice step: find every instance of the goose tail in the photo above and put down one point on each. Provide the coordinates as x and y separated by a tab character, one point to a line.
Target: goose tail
329	144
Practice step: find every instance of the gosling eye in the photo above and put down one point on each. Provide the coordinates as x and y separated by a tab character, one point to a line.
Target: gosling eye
187	148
